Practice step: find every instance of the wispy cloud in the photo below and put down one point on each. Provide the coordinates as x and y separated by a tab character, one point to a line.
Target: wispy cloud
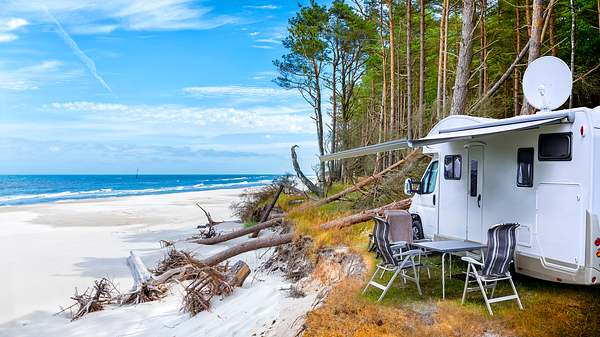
92	16
262	46
33	76
254	33
8	26
237	91
219	120
88	62
262	7
274	41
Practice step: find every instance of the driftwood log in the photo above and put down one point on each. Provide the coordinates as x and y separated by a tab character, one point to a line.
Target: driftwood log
239	233
274	240
267	212
365	215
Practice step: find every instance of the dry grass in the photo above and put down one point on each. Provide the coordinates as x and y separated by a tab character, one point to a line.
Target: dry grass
550	309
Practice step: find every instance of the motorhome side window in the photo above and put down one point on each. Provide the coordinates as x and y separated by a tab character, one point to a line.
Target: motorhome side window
429	178
452	167
525	167
554	147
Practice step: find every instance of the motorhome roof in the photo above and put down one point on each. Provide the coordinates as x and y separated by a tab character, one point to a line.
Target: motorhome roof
475	127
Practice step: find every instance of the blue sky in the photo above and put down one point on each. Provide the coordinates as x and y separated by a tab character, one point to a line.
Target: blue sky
172	86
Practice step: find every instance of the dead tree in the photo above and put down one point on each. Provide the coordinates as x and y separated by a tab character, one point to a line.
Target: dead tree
209	218
309	184
265	215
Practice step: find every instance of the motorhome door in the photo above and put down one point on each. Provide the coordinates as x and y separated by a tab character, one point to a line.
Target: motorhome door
475	198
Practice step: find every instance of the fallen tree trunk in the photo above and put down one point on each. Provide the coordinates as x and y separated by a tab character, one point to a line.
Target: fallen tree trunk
408	163
265	216
271	241
236	234
365	215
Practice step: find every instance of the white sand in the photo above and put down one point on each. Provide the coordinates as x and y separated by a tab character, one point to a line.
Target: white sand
48	250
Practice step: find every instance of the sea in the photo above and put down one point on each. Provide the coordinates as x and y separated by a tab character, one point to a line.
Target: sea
31	189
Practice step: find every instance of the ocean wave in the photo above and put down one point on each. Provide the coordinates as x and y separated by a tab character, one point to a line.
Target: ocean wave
109	192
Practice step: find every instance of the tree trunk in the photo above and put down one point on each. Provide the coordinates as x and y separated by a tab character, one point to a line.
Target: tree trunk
551	33
271	241
463	65
265	215
421	66
409	116
483	80
441	57
237	274
239	233
572	8
445	62
365	215
500	81
516	74
392	71
309	184
319	121
528	17
534	44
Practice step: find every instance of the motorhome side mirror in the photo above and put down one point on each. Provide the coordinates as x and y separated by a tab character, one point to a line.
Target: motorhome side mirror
408	187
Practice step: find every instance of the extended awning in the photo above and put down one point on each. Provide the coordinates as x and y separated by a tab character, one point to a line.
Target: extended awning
459	133
493	127
370	149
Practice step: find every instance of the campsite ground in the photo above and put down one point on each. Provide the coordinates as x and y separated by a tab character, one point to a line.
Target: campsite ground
551	309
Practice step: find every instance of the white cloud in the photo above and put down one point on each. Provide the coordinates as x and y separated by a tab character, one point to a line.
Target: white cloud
263	7
268	41
192	119
261	46
33	76
92	16
254	33
7	26
7	37
237	91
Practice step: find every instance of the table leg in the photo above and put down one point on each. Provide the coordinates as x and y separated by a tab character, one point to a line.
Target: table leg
443	276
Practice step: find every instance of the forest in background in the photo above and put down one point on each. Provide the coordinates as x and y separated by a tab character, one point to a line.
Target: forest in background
381	70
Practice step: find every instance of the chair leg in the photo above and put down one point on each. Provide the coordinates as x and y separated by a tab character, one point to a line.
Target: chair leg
494	289
417	279
484	293
389	285
371	279
464	296
517	294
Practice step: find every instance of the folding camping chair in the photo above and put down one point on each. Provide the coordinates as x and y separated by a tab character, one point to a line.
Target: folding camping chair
402	234
499	256
390	260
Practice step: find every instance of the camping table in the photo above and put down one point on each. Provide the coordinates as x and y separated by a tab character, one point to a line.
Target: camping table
448	247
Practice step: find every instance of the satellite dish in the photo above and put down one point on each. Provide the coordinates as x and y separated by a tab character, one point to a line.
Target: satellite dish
547	83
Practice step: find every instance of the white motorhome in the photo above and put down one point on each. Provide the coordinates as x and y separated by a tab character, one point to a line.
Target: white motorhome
541	171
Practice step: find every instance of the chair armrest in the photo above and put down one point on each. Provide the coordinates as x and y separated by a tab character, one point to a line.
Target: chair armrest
412	252
471	260
422	240
398	243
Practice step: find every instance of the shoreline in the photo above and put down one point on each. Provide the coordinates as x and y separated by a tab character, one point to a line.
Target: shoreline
53	248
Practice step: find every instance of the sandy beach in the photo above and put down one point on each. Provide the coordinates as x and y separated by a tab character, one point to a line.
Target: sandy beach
50	249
